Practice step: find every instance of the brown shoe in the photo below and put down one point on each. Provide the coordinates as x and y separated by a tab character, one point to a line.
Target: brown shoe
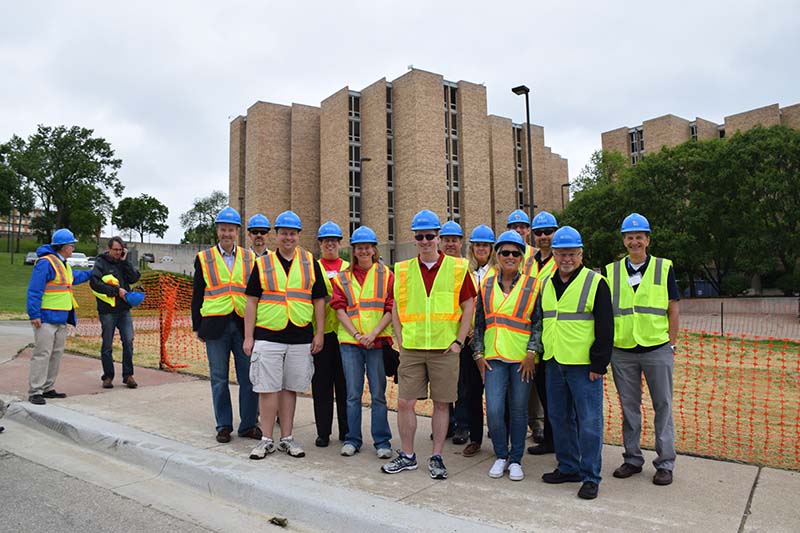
662	477
224	435
130	382
626	470
108	383
252	433
471	449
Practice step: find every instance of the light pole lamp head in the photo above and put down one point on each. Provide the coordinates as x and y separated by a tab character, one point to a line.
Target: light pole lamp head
520	90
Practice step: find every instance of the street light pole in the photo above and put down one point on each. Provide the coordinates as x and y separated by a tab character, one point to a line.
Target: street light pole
520	90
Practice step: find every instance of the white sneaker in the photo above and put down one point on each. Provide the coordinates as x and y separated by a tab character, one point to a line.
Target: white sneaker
290	446
515	472
262	449
348	450
498	468
384	453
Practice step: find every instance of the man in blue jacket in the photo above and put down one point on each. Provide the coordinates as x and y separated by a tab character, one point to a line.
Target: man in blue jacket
51	306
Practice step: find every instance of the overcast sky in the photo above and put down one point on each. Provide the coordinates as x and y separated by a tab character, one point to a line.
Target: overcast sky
162	80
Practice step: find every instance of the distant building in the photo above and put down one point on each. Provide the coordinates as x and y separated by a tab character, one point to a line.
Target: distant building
6	225
377	156
670	130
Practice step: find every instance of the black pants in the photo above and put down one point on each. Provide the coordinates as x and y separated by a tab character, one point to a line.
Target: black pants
470	401
329	377
541	390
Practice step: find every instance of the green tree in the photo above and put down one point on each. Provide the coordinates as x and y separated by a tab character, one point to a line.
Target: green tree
144	215
16	200
71	174
603	167
198	222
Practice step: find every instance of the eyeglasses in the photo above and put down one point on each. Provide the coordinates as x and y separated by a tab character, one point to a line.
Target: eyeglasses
259	231
540	232
512	253
427	237
117	249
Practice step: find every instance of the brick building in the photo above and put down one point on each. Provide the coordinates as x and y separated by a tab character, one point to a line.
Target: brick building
670	130
377	156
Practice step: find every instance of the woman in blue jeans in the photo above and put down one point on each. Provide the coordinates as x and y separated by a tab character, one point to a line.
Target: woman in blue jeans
363	300
507	344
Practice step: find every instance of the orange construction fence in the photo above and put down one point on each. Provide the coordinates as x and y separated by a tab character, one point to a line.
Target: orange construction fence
736	396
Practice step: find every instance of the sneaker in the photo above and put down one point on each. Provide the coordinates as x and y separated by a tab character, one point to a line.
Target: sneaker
436	467
498	468
262	449
400	463
515	472
384	453
348	450
290	446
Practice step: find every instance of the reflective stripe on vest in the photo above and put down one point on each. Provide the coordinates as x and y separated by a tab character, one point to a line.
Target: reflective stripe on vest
365	305
58	291
508	318
285	297
331	322
568	325
640	317
224	293
429	322
110	279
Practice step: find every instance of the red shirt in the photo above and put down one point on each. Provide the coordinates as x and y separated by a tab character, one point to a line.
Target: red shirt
468	290
331	265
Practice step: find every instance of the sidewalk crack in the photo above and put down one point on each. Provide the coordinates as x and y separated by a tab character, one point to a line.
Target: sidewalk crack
747	510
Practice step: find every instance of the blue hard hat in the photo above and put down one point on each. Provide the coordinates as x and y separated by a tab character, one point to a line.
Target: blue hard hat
329	229
635	222
228	215
567	237
258	221
288	219
482	233
518	215
425	219
544	220
134	298
451	228
510	237
363	235
63	236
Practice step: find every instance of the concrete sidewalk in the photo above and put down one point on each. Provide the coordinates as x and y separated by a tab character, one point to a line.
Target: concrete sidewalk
169	428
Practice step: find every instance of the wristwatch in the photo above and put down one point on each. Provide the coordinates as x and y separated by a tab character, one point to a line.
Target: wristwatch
461	344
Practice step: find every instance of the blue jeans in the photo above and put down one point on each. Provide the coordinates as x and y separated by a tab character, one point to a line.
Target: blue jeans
124	323
354	360
575	408
502	381
218	352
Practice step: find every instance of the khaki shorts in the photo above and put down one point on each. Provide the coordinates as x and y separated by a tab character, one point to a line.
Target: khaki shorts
418	369
275	366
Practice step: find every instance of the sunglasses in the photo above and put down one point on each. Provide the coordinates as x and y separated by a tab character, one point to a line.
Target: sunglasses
512	253
427	237
540	232
259	231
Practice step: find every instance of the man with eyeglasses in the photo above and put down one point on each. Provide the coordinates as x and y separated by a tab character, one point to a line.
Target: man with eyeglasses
578	334
257	232
111	281
431	324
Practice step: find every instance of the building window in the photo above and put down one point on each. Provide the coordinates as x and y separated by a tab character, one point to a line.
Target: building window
388	123
355	131
390	167
451	150
517	129
355	182
636	137
454	181
390	176
354	107
355	156
391	230
391	201
389	151
721	132
388	97
455	150
693	130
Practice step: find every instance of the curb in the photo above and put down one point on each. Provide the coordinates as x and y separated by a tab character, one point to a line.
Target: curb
301	500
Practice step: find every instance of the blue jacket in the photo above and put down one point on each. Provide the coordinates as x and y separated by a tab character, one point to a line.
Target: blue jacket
42	273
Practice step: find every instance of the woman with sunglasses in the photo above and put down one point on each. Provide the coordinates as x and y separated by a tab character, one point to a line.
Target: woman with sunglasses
508	343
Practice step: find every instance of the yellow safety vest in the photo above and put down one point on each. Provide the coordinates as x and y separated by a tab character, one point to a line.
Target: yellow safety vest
331	322
365	305
640	318
508	318
285	297
429	322
568	325
224	292
58	291
110	300
531	267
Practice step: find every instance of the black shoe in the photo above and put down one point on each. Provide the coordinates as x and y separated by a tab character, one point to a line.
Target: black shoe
662	477
588	490
556	476
343	436
540	449
626	470
538	435
224	435
322	442
37	399
52	393
461	436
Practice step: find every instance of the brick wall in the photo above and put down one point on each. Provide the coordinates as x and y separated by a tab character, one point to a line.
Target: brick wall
668	130
334	145
374	197
502	168
473	136
765	116
305	190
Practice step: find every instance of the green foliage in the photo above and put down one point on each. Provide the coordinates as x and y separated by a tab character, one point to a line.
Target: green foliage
144	215
198	222
604	167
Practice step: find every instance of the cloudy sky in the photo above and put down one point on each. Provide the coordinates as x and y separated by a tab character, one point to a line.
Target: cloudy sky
161	80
